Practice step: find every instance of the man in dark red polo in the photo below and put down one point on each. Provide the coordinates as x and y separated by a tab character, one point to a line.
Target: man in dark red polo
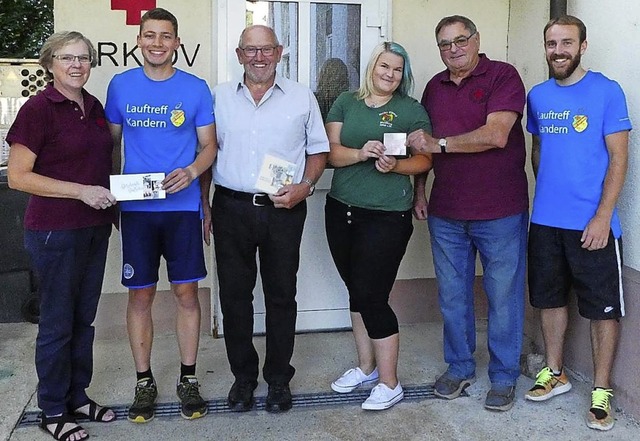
479	203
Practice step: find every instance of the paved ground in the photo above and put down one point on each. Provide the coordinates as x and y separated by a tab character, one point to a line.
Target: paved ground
318	359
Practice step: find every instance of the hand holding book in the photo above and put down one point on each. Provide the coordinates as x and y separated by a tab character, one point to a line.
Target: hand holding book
274	174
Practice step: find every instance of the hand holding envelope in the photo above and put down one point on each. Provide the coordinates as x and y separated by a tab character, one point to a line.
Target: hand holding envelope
135	187
394	144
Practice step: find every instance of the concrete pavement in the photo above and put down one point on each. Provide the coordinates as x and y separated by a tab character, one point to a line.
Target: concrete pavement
318	358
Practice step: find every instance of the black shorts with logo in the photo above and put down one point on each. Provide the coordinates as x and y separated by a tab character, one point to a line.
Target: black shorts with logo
559	264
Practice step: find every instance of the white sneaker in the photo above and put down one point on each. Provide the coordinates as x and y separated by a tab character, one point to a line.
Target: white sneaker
353	379
382	397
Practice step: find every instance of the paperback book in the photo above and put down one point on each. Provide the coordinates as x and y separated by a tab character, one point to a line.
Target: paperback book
275	173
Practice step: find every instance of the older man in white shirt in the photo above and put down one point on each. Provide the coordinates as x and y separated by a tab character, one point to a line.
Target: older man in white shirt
261	116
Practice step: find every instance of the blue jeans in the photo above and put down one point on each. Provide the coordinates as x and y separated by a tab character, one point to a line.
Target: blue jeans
70	268
502	244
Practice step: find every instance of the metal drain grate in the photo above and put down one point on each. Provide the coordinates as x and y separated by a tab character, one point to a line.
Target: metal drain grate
411	393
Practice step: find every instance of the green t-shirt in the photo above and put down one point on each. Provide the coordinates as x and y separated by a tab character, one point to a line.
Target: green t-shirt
360	184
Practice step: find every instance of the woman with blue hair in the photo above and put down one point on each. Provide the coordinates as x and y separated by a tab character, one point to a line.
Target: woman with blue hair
368	212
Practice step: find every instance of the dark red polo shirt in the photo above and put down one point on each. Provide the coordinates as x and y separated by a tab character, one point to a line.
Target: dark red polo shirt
486	185
70	147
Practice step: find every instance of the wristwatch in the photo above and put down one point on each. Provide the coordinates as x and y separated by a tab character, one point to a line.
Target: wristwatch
442	142
312	186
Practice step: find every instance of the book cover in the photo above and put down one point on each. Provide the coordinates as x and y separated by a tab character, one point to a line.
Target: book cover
394	144
135	187
274	174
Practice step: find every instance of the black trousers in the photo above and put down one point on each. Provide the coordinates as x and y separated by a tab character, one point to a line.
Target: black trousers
241	229
367	247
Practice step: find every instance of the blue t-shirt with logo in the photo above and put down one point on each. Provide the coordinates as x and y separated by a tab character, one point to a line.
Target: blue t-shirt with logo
159	121
572	123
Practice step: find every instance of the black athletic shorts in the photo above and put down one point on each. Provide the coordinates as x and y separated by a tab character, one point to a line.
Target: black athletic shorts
558	264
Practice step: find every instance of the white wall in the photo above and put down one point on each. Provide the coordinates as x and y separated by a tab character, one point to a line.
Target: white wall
197	21
606	53
614	42
609	54
510	30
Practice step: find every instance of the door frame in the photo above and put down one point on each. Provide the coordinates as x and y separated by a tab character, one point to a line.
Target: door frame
375	28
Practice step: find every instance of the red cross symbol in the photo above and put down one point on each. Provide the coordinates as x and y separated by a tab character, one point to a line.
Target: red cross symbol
133	8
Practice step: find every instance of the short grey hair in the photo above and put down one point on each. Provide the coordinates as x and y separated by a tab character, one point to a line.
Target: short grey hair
248	28
59	40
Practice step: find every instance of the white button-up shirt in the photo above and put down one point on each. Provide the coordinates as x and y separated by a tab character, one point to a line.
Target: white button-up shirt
286	123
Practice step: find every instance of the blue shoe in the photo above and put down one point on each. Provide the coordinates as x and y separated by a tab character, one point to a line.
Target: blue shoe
449	387
500	398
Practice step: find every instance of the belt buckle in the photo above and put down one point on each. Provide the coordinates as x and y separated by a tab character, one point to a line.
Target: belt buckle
255	201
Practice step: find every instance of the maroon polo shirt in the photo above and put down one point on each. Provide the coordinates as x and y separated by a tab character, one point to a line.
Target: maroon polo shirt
486	185
69	146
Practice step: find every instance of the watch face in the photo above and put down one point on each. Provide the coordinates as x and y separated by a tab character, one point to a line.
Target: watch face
312	186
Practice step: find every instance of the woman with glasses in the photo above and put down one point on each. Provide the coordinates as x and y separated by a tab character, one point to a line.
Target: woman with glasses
61	154
368	212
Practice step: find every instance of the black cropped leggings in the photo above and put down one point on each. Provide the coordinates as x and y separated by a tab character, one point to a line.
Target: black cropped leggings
367	247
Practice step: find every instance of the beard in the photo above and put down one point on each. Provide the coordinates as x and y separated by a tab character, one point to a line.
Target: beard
258	76
563	74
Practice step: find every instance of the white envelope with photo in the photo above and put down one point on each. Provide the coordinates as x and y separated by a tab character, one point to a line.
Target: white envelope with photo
136	187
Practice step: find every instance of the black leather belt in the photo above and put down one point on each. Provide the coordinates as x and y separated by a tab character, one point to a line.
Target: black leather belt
257	199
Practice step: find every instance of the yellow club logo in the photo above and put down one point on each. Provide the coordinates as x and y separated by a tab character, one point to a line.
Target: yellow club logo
177	117
580	123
